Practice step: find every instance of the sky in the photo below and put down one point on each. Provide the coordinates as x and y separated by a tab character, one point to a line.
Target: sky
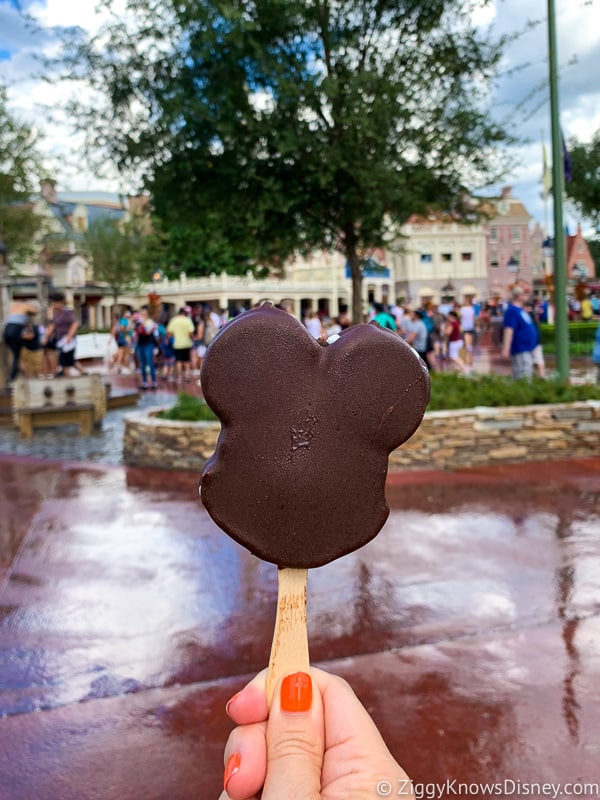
521	97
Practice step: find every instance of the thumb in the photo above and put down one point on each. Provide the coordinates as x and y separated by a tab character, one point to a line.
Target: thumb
295	740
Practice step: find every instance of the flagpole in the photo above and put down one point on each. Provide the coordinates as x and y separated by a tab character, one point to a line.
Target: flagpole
545	187
561	324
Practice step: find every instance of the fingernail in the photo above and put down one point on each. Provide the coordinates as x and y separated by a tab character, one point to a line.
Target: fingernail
296	692
232	766
230	701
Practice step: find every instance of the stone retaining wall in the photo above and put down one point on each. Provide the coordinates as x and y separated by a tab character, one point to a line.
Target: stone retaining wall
152	442
446	439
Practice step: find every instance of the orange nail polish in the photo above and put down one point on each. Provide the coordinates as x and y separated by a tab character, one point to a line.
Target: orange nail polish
232	766
296	692
230	701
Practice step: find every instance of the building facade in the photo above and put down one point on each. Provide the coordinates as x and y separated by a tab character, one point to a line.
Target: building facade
321	283
438	258
580	264
62	260
433	259
508	244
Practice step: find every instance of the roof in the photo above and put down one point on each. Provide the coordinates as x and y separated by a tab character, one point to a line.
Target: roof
95	211
98	205
104	199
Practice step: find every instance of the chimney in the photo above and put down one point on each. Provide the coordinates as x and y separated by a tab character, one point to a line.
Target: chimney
506	192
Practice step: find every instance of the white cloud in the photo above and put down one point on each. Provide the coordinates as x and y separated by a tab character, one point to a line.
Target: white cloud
484	14
64	13
39	102
524	96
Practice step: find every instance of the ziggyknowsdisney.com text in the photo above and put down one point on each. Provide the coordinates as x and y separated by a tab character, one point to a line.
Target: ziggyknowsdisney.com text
505	788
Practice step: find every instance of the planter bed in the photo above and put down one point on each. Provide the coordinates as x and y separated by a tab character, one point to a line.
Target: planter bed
445	440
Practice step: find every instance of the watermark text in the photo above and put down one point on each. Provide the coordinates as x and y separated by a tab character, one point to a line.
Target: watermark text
506	788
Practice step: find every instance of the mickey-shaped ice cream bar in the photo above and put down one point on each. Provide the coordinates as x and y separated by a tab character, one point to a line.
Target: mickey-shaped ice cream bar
298	474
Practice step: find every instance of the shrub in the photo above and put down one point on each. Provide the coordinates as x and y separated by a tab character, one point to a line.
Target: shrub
188	408
450	391
581	338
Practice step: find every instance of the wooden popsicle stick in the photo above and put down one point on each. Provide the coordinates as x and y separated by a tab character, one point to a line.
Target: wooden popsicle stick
289	651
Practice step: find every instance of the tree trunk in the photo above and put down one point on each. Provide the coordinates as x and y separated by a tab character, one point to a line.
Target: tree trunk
356	275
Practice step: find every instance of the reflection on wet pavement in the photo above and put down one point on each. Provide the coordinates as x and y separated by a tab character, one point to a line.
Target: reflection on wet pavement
470	627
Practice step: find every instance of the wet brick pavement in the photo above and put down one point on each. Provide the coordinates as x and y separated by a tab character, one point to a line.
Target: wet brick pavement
105	445
470	627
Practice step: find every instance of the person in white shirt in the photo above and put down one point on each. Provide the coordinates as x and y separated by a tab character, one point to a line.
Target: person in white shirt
467	324
313	325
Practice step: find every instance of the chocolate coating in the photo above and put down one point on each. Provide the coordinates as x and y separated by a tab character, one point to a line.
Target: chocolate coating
298	474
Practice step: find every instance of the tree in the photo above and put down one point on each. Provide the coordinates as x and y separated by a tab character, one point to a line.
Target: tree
19	164
584	188
115	249
594	246
268	127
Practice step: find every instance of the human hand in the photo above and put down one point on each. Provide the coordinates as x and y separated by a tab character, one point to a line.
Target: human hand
317	743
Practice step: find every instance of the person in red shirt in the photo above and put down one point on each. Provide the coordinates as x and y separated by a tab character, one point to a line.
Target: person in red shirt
455	340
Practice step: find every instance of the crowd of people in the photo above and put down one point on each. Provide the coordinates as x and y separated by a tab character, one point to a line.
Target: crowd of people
444	335
42	349
171	350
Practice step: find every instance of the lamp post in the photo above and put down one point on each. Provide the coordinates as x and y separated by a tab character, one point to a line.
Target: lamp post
514	267
4	312
561	324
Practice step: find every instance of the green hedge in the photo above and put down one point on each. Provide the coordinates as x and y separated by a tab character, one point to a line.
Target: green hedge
188	408
449	391
581	337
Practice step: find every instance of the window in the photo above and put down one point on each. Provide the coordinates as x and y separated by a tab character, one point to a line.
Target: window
494	259
446	257
426	258
493	234
466	256
516	234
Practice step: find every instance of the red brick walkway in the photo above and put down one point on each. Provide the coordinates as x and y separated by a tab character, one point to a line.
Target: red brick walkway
470	627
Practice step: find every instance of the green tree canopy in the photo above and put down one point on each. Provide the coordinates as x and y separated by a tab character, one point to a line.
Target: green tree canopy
584	189
116	249
268	127
19	167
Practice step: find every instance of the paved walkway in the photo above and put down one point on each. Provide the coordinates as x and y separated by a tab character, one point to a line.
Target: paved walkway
104	446
470	627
